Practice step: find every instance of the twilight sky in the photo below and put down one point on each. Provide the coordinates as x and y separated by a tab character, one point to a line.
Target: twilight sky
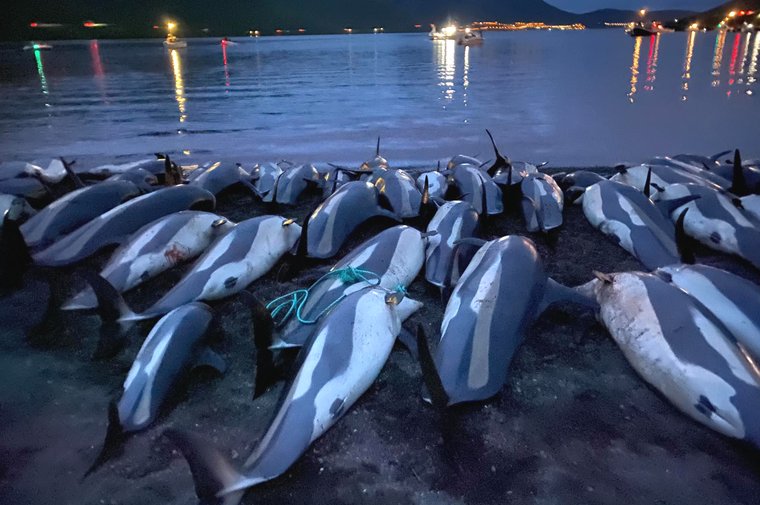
590	5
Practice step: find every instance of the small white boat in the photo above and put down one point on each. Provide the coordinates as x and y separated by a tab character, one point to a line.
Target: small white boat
172	42
470	38
36	46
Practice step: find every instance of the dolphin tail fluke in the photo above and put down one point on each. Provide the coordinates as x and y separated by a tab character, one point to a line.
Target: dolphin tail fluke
715	157
556	292
430	374
682	240
263	325
111	305
212	472
112	443
71	174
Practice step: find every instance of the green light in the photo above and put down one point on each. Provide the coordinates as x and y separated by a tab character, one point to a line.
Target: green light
41	70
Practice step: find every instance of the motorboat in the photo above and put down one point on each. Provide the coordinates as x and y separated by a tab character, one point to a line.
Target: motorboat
172	42
36	46
470	37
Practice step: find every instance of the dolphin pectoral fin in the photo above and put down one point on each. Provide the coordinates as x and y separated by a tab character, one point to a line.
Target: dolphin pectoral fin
212	472
555	292
210	358
267	372
430	373
409	341
112	443
668	206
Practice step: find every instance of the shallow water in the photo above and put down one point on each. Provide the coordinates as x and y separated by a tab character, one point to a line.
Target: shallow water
573	98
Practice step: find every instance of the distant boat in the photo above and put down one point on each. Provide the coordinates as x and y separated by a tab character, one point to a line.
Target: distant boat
36	46
470	38
228	42
172	42
639	31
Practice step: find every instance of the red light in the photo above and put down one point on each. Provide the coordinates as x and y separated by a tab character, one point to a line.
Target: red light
88	24
155	27
278	31
33	25
418	26
301	30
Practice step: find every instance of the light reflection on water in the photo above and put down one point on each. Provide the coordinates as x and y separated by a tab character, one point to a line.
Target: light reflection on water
555	96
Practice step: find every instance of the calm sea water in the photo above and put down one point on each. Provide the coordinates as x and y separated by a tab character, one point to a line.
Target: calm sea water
572	98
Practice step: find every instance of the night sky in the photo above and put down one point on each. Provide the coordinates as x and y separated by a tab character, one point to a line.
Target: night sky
590	5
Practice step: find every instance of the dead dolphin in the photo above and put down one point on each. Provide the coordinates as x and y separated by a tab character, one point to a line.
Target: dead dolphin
340	214
731	298
19	208
437	184
628	217
172	348
542	202
716	220
221	176
339	363
679	347
155	248
503	290
74	209
231	263
265	177
294	181
117	224
390	259
452	222
471	182
400	189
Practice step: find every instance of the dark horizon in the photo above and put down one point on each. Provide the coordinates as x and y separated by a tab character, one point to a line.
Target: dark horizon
195	18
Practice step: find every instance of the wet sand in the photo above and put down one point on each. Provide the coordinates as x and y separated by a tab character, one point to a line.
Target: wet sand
574	424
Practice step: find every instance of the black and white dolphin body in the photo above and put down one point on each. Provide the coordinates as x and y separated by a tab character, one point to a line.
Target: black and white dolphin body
74	209
291	184
542	202
629	218
452	222
661	177
121	221
341	213
471	182
731	298
679	347
394	257
221	176
19	209
155	248
400	189
338	364
437	184
264	178
231	263
716	220
502	291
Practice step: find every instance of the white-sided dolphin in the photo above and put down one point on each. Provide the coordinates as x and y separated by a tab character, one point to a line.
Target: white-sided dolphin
717	220
679	347
629	218
452	222
74	209
117	224
394	257
171	349
155	248
338	364
400	189
470	181
293	182
542	202
501	293
221	176
437	184
340	214
231	263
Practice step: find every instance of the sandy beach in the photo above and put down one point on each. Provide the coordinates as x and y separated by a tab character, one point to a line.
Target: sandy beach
574	424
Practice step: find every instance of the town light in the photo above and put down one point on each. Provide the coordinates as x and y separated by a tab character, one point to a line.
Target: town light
642	12
171	25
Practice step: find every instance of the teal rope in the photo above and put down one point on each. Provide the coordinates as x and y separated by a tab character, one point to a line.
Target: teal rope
294	301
